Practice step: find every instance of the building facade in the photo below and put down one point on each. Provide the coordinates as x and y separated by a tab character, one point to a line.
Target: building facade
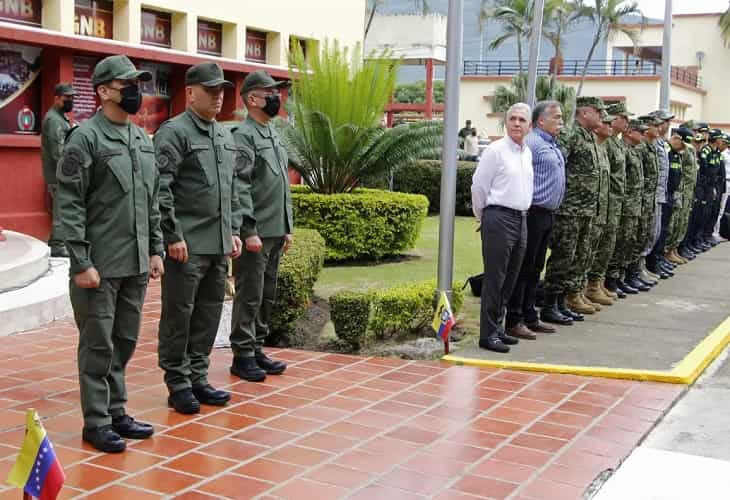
44	42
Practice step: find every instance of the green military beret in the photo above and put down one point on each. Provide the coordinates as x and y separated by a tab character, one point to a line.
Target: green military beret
594	102
262	80
663	115
117	68
650	120
702	127
206	74
619	109
64	89
637	125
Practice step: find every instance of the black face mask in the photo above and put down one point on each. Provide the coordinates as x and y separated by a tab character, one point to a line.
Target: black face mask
131	99
273	104
68	105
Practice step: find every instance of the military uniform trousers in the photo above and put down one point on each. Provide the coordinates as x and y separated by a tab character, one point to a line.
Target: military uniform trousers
625	250
255	275
569	251
604	249
192	301
645	233
597	230
55	240
677	226
108	319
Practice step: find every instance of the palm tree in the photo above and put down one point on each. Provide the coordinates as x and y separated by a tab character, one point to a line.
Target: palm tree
560	16
514	16
607	17
546	88
725	25
338	100
373	5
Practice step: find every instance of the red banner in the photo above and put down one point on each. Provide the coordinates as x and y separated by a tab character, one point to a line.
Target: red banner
210	38
20	93
94	18
21	11
156	28
155	97
256	46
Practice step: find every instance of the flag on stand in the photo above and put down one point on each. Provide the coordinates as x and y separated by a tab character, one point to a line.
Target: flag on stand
37	469
443	319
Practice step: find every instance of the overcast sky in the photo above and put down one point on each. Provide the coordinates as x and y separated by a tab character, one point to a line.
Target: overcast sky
655	8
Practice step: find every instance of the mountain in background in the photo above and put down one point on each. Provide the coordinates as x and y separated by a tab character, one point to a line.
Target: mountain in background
576	44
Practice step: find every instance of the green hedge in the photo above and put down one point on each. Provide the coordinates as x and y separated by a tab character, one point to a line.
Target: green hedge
364	224
298	272
363	317
424	177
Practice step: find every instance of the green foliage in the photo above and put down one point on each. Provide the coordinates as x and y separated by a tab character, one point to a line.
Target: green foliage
361	318
413	93
338	100
546	88
724	23
298	272
424	177
363	224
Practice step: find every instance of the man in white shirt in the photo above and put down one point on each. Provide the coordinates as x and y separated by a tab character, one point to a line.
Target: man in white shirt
501	194
471	146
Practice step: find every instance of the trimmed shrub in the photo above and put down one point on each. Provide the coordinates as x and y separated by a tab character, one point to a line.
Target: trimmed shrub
406	310
364	224
298	272
424	177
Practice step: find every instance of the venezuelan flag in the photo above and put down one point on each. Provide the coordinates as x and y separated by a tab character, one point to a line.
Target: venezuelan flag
37	469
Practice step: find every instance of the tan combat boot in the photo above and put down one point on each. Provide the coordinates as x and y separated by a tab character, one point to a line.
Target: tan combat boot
679	258
575	303
595	294
608	292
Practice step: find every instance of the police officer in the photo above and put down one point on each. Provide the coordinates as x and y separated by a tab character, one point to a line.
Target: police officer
53	133
107	202
197	159
267	232
712	165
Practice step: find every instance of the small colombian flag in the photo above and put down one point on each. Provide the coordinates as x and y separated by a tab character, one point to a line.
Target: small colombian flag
37	469
443	319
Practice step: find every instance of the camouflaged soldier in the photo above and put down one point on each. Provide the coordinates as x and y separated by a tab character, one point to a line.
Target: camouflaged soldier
53	134
617	150
603	238
688	184
107	200
682	170
627	250
267	232
567	265
198	161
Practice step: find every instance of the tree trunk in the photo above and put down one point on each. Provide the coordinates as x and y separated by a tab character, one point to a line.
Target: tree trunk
519	52
370	19
585	66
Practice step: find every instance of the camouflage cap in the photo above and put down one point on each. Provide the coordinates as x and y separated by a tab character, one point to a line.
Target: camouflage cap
689	124
685	133
117	68
206	74
650	120
262	80
637	125
702	127
593	102
663	115
619	109
64	89
606	118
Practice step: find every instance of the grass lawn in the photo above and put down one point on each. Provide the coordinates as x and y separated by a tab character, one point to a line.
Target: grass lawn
419	264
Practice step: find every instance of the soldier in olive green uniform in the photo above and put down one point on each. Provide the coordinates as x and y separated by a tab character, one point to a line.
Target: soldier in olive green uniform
197	159
627	249
267	233
53	133
107	200
604	233
687	186
570	241
682	167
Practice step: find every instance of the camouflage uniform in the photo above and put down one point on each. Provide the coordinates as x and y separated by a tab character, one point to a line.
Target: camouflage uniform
570	242
684	197
625	251
598	256
604	259
650	165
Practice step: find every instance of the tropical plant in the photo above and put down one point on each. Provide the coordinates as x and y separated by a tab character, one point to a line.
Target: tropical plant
725	25
560	16
546	88
608	18
336	139
372	6
514	16
410	93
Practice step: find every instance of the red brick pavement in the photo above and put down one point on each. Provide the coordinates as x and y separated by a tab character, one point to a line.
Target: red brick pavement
332	426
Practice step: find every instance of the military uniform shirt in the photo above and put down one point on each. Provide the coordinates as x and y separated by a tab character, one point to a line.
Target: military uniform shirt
616	150
53	133
582	172
107	199
633	194
650	163
603	186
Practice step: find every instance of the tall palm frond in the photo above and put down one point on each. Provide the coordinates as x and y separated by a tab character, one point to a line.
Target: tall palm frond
546	89
724	23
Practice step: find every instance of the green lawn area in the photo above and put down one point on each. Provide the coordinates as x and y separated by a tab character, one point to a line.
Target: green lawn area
419	264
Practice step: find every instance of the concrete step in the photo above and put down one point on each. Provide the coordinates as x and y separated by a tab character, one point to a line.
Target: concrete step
23	259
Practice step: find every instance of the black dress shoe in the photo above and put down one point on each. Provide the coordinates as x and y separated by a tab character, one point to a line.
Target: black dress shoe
508	339
247	369
621	294
553	315
270	366
129	428
626	288
207	395
636	283
495	345
105	439
569	313
183	401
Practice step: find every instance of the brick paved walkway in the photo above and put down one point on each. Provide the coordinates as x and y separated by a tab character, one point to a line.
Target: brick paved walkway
332	426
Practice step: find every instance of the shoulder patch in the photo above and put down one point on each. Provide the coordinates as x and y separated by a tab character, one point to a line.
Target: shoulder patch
73	158
166	157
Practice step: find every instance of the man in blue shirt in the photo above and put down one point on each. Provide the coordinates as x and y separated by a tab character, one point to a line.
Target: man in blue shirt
548	166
